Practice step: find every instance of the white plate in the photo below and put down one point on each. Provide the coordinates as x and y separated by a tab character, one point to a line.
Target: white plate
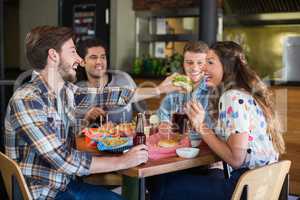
187	152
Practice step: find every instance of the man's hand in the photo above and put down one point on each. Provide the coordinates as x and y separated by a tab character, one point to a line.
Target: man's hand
135	156
93	113
167	85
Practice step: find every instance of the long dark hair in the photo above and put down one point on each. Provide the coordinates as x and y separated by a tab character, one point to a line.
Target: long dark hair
237	74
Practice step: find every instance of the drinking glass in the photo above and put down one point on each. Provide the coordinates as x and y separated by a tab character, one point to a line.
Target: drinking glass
179	118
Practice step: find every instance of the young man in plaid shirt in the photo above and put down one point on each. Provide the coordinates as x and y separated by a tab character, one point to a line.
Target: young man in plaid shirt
41	113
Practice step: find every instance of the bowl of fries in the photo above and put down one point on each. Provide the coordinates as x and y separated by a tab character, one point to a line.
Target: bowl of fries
114	144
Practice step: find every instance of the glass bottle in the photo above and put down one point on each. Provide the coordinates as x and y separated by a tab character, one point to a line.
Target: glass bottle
140	137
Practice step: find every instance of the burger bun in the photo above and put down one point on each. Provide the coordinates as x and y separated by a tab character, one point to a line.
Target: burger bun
167	143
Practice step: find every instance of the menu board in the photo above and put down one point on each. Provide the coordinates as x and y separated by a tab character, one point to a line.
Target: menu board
84	20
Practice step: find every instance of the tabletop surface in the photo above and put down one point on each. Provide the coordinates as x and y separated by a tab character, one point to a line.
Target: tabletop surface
161	166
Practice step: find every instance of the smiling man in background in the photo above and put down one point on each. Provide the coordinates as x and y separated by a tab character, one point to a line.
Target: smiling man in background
194	58
93	72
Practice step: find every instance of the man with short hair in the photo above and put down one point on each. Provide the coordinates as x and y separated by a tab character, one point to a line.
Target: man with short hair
194	58
41	114
94	72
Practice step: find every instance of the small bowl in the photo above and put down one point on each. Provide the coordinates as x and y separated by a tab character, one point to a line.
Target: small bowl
187	152
195	143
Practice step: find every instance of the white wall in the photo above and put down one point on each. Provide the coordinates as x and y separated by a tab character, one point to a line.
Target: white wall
34	13
122	41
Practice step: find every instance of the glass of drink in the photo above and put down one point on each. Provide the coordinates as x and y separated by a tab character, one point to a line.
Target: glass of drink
179	122
179	118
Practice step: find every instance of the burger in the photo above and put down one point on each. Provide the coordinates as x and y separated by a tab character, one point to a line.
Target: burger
184	82
167	143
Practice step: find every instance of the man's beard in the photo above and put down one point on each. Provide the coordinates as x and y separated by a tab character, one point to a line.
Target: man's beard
63	70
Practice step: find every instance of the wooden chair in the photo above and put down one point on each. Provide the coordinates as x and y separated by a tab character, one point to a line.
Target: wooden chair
262	183
13	179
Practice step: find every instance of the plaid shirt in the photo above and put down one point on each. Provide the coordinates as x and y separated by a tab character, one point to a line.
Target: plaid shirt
36	136
172	101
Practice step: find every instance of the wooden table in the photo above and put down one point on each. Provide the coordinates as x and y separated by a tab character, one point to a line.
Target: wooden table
134	178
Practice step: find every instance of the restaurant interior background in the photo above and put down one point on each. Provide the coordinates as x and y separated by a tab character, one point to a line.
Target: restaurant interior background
148	36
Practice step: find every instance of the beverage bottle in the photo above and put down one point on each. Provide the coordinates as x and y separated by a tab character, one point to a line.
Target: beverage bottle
140	137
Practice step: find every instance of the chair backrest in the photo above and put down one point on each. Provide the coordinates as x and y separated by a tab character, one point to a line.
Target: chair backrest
10	171
263	182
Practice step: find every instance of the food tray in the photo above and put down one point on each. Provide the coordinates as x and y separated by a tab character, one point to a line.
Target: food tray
102	146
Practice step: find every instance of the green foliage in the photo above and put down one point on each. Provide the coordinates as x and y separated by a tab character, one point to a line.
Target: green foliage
137	66
174	63
157	67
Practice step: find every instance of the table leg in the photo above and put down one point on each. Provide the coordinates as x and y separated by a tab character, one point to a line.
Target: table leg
284	194
133	188
142	189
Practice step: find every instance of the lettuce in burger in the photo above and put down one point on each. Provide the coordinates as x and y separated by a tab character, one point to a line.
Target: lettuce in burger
184	82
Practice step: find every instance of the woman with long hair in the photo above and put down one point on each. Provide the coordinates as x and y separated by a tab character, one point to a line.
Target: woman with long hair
247	134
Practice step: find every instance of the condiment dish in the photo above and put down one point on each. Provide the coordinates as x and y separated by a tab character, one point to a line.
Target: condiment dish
187	152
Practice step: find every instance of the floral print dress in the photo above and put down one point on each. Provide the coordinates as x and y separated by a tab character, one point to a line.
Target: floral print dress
240	113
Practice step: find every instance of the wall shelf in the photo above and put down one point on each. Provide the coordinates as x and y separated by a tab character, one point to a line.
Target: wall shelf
182	26
164	26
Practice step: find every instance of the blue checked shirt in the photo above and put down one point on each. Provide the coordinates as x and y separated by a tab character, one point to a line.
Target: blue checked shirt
173	100
40	136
